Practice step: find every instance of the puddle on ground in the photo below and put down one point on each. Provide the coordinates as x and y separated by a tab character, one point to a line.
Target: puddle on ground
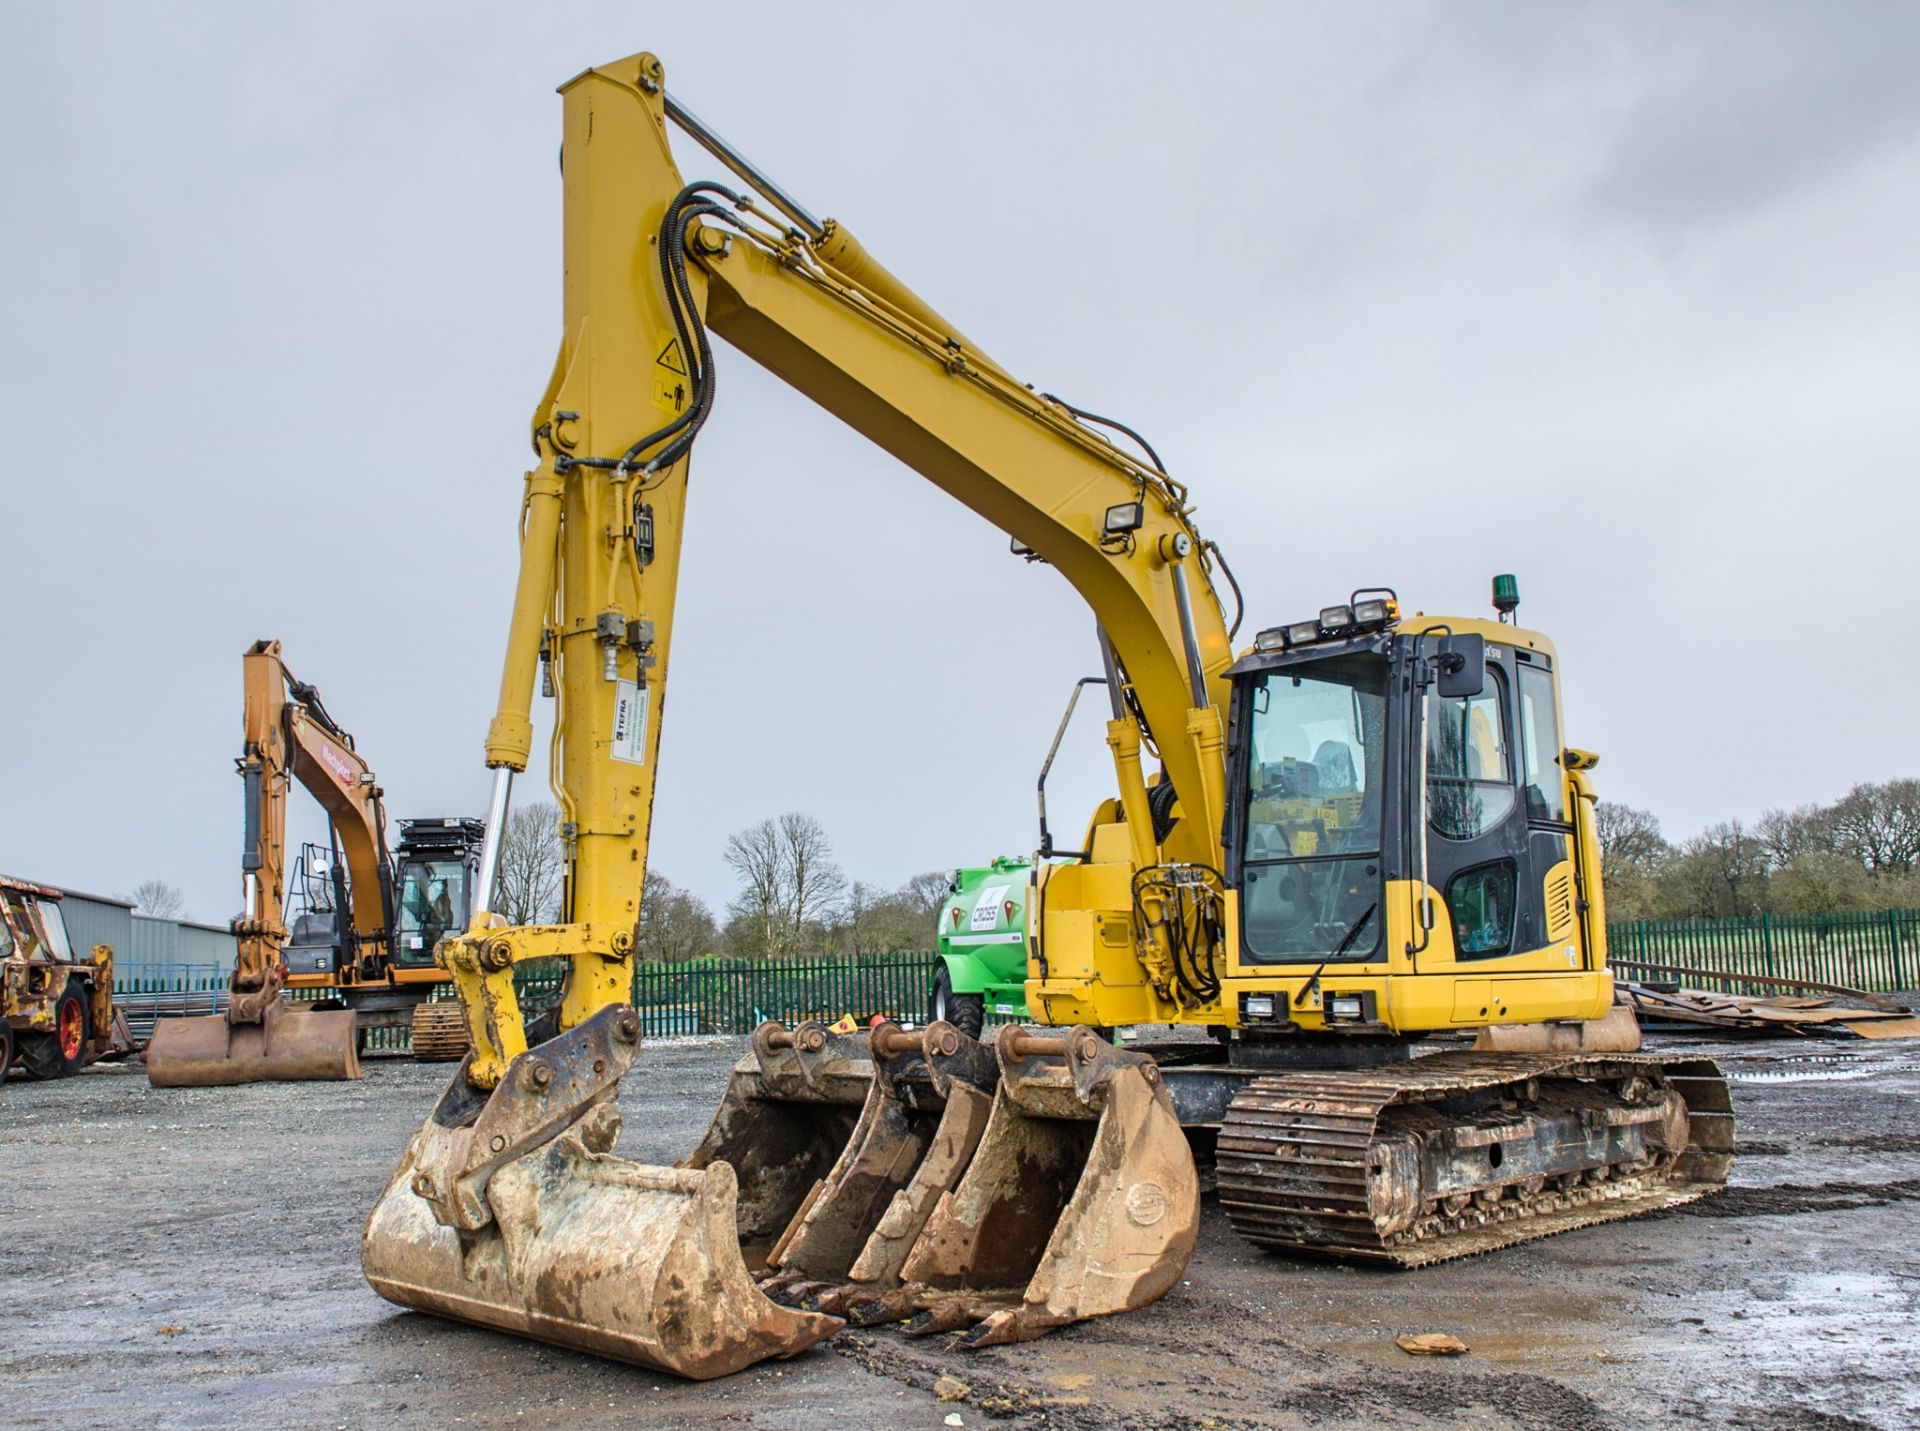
1814	1067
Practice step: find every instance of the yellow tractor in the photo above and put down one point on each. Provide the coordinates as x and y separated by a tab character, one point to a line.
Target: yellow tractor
56	1005
1359	832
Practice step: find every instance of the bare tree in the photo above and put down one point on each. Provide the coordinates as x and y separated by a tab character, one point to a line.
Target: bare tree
528	887
1629	835
815	884
1879	825
675	923
159	899
925	893
1722	871
790	888
1788	834
1634	858
757	911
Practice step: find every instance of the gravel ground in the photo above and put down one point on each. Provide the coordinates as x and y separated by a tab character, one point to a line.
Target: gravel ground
187	1258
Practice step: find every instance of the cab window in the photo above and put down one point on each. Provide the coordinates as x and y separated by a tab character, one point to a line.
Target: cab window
433	902
1540	748
26	928
55	926
1481	902
1469	760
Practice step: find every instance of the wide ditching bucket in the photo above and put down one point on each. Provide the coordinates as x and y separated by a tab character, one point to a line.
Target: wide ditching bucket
1081	1200
264	1040
511	1211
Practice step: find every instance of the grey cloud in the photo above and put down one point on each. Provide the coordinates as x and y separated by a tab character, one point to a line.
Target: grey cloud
1738	109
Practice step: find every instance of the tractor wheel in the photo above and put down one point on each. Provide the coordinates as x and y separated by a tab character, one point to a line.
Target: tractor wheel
966	1012
6	1049
63	1051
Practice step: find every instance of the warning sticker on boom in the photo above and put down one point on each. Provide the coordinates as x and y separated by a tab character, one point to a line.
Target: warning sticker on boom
630	722
671	393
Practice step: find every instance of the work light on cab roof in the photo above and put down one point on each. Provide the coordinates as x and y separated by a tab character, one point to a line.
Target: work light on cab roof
1351	618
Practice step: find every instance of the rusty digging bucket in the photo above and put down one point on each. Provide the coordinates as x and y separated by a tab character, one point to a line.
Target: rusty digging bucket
926	1107
511	1211
1081	1201
279	1042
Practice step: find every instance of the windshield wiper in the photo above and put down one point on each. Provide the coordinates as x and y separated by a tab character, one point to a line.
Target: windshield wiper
1345	944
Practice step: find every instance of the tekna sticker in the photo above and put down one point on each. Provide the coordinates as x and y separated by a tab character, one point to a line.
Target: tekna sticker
630	722
986	909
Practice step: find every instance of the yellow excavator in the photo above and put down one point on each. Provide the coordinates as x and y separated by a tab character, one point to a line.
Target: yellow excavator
1360	834
363	934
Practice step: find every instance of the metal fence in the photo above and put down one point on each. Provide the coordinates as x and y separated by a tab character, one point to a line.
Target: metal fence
1877	951
146	992
733	995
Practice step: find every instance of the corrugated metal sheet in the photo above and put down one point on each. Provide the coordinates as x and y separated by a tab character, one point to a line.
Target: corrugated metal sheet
155	941
94	919
205	944
138	939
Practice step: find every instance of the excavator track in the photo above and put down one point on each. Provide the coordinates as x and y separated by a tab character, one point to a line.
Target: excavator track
1459	1153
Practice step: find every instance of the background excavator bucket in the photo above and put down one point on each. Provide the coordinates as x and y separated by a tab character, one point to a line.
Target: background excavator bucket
1081	1201
927	1106
286	1044
510	1211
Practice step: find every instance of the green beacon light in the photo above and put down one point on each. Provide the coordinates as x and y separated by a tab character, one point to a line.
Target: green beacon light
1506	596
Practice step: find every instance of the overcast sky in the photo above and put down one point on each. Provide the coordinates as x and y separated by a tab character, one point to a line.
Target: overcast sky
1624	299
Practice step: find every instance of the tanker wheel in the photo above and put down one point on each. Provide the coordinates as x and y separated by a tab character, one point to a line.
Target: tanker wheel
966	1012
63	1051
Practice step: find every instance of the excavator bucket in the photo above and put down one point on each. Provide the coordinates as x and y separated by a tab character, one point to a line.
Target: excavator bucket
791	1108
283	1044
1081	1201
511	1211
926	1108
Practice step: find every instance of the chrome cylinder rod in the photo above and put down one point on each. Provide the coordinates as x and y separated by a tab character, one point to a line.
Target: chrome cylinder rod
1184	604
743	168
496	836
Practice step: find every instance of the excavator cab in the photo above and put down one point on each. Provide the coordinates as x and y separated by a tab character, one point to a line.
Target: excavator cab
1398	789
435	871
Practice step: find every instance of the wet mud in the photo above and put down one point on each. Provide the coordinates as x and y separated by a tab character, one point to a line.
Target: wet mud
188	1258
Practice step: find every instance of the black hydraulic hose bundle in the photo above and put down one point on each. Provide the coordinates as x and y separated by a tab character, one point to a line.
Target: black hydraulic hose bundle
1193	903
678	435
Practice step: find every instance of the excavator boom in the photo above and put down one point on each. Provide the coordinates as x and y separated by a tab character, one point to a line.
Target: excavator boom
289	736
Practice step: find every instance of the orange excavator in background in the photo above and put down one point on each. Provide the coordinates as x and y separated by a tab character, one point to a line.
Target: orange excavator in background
364	922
